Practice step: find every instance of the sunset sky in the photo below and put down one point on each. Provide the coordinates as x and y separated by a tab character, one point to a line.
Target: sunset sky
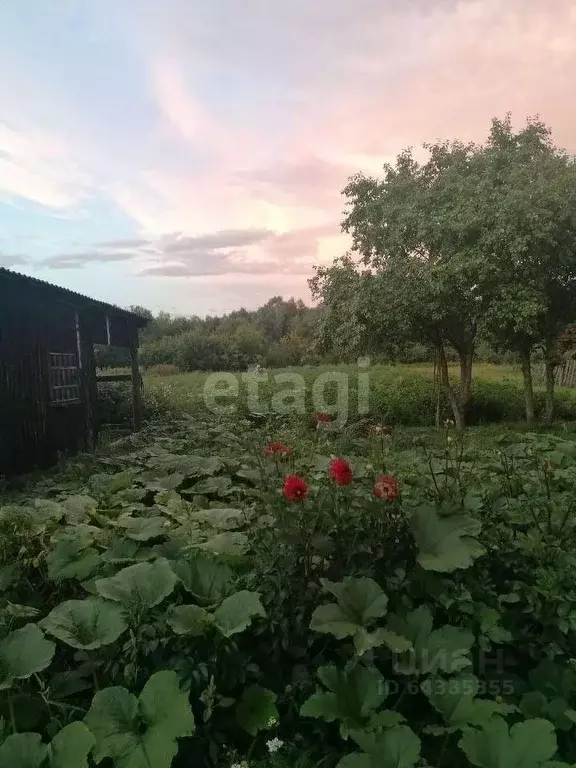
188	155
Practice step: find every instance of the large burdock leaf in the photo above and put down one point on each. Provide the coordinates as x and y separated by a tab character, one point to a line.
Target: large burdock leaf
141	732
398	747
22	653
85	624
237	611
445	543
189	620
226	518
359	603
456	702
231	544
446	649
257	710
70	560
71	746
22	750
355	760
143	585
79	508
530	744
204	578
143	528
352	696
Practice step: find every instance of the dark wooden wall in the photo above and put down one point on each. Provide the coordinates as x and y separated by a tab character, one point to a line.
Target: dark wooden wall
34	431
34	329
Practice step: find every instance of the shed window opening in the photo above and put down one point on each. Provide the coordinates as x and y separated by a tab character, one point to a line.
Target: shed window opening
64	378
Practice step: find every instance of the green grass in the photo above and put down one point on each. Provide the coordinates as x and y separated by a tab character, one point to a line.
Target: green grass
399	394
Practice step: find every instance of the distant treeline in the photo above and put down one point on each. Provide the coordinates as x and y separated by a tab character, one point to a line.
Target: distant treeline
281	333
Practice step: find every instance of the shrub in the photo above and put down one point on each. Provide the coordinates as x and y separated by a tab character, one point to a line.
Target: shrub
114	403
172	608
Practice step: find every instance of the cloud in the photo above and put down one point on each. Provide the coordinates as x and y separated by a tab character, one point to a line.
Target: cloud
8	260
226	252
237	133
36	168
240	252
124	243
214	241
80	260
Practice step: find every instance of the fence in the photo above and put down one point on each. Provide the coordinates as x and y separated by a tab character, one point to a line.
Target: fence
564	375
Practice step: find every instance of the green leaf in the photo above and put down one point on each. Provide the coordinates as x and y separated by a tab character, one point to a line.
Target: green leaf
231	544
140	733
456	702
360	603
143	528
139	586
237	611
9	575
398	747
553	680
71	746
558	711
69	560
22	750
189	620
79	508
353	695
257	710
22	653
204	578
355	760
104	484
446	649
445	543
227	519
216	485
489	619
530	744
85	624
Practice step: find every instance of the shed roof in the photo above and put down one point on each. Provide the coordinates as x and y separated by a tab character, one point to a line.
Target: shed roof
79	299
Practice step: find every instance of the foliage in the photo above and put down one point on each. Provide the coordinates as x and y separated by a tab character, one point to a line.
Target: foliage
476	240
162	604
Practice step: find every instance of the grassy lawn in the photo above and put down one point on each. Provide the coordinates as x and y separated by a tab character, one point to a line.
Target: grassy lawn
398	394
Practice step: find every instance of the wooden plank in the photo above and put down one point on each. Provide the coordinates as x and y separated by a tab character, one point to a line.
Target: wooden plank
137	404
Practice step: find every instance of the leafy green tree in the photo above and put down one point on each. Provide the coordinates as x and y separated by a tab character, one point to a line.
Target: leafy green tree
528	210
415	237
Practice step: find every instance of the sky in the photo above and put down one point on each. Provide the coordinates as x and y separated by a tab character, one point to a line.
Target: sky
189	156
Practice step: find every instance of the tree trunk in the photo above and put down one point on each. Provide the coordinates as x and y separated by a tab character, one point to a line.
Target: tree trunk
549	397
445	383
528	386
466	360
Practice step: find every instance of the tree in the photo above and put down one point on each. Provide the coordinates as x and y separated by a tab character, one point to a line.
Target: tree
475	237
528	210
415	232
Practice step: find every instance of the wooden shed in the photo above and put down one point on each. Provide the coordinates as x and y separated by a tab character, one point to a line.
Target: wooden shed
48	385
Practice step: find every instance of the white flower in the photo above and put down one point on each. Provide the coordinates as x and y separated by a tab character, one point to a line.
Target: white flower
272	722
274	745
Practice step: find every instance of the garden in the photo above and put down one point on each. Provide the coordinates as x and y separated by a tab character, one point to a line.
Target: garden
256	590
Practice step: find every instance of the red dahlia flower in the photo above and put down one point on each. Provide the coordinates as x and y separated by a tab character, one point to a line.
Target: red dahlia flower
341	472
295	488
277	449
386	487
322	417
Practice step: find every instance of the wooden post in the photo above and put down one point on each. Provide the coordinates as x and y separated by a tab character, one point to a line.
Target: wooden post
136	387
